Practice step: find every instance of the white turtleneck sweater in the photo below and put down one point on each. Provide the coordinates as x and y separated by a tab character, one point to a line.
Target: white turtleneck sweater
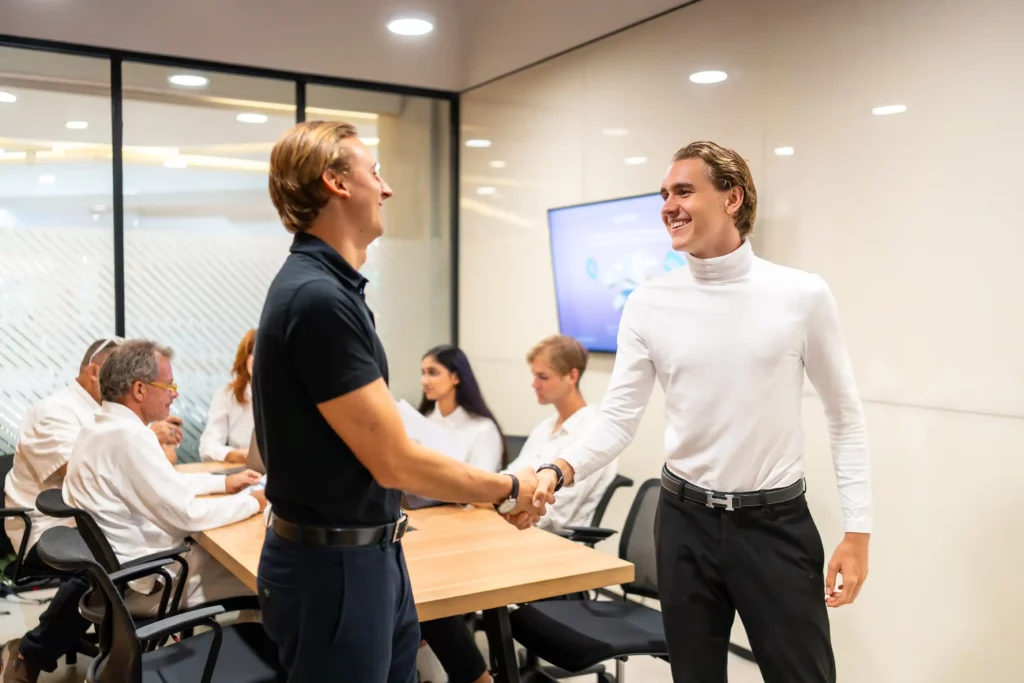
729	339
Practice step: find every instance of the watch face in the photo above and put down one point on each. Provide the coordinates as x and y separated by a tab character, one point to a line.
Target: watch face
506	506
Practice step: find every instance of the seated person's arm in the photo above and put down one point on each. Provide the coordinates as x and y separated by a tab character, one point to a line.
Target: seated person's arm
54	437
171	453
154	490
213	443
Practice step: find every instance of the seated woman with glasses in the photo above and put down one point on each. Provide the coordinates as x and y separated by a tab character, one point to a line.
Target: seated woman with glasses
229	423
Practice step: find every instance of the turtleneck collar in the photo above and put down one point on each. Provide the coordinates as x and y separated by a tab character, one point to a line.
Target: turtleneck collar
733	265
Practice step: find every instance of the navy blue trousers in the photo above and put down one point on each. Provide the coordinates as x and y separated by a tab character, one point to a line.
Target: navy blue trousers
339	614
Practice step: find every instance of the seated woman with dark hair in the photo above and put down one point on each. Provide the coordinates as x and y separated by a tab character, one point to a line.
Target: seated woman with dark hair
452	399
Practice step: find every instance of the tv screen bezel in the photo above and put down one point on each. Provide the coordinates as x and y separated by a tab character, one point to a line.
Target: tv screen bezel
551	252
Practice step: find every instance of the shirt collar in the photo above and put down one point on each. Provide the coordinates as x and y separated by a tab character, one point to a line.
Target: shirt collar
116	411
81	394
317	249
731	266
456	418
574	422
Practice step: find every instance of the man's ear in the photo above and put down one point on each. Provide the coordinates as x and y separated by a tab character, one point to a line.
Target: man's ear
734	200
335	183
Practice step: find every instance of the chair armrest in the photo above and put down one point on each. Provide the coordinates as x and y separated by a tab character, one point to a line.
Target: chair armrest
587	534
172	554
140	570
14	512
180	622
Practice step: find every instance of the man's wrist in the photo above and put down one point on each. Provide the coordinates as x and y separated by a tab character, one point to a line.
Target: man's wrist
511	484
857	537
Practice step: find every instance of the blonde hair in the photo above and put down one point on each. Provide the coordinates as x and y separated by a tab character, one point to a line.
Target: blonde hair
297	164
563	353
726	169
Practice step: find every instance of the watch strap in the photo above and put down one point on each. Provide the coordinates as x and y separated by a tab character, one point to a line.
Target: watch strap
556	470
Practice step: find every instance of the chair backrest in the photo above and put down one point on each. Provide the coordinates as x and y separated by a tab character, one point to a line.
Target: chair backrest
514	444
618	482
6	463
120	657
51	502
636	545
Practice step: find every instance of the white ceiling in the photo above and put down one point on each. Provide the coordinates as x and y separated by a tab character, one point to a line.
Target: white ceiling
474	40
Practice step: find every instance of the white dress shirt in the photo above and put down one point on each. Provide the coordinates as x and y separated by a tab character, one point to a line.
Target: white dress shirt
229	425
574	505
118	473
729	340
48	432
479	437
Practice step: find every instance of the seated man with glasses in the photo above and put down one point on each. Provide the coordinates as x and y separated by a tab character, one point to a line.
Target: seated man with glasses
48	432
117	471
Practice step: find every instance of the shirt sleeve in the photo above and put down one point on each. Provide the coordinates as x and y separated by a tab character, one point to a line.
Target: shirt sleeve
213	444
204	483
624	403
485	452
169	499
51	439
828	367
329	341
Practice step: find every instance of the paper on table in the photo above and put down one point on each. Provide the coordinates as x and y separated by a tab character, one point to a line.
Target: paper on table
424	432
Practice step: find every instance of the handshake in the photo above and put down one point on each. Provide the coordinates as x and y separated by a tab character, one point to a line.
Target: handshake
536	492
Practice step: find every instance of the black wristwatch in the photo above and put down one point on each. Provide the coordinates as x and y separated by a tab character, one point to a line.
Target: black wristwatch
506	506
556	470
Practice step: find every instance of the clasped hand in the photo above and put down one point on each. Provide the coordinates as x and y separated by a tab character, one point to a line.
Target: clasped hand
528	510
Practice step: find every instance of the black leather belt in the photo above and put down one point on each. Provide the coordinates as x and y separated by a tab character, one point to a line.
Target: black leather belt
339	538
730	501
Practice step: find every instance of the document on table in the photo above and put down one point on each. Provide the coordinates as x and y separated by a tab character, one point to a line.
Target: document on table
426	433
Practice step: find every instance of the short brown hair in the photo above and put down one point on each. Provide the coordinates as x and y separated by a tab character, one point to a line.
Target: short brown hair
562	353
726	169
133	361
297	163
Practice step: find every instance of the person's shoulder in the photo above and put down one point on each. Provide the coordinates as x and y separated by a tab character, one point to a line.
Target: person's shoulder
789	278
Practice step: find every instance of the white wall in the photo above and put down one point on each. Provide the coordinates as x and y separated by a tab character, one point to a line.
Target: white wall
912	219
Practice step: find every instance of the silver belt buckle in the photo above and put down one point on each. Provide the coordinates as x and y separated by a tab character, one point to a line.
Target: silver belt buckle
400	526
725	501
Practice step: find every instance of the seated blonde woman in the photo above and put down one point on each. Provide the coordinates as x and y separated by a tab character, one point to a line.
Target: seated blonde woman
229	423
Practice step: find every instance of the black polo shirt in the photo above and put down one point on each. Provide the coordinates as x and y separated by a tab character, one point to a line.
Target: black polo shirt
316	341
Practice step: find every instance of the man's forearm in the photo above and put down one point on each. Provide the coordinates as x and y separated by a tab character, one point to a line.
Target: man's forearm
427	473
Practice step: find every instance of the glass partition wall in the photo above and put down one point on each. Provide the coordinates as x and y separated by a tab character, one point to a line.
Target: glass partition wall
133	201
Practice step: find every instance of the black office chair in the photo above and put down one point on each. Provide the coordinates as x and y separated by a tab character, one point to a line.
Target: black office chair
514	445
21	573
51	502
237	654
576	636
591	535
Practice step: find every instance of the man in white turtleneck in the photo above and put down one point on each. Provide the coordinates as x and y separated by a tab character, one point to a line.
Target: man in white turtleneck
729	338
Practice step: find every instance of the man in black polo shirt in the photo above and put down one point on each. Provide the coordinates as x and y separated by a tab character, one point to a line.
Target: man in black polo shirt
332	580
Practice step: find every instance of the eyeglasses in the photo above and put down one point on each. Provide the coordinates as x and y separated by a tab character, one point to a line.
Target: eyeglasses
104	345
161	385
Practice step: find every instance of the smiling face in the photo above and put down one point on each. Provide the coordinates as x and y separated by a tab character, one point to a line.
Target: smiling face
699	218
361	191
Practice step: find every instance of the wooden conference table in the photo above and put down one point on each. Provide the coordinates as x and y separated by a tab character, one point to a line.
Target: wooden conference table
460	561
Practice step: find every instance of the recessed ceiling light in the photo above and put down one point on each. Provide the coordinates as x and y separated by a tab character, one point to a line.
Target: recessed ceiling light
411	26
615	132
498	164
251	118
76	125
784	151
370	142
188	80
7	97
705	77
175	163
889	109
485	191
478	143
47	180
636	161
131	191
99	208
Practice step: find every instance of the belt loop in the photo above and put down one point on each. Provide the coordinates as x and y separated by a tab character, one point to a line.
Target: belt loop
764	502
